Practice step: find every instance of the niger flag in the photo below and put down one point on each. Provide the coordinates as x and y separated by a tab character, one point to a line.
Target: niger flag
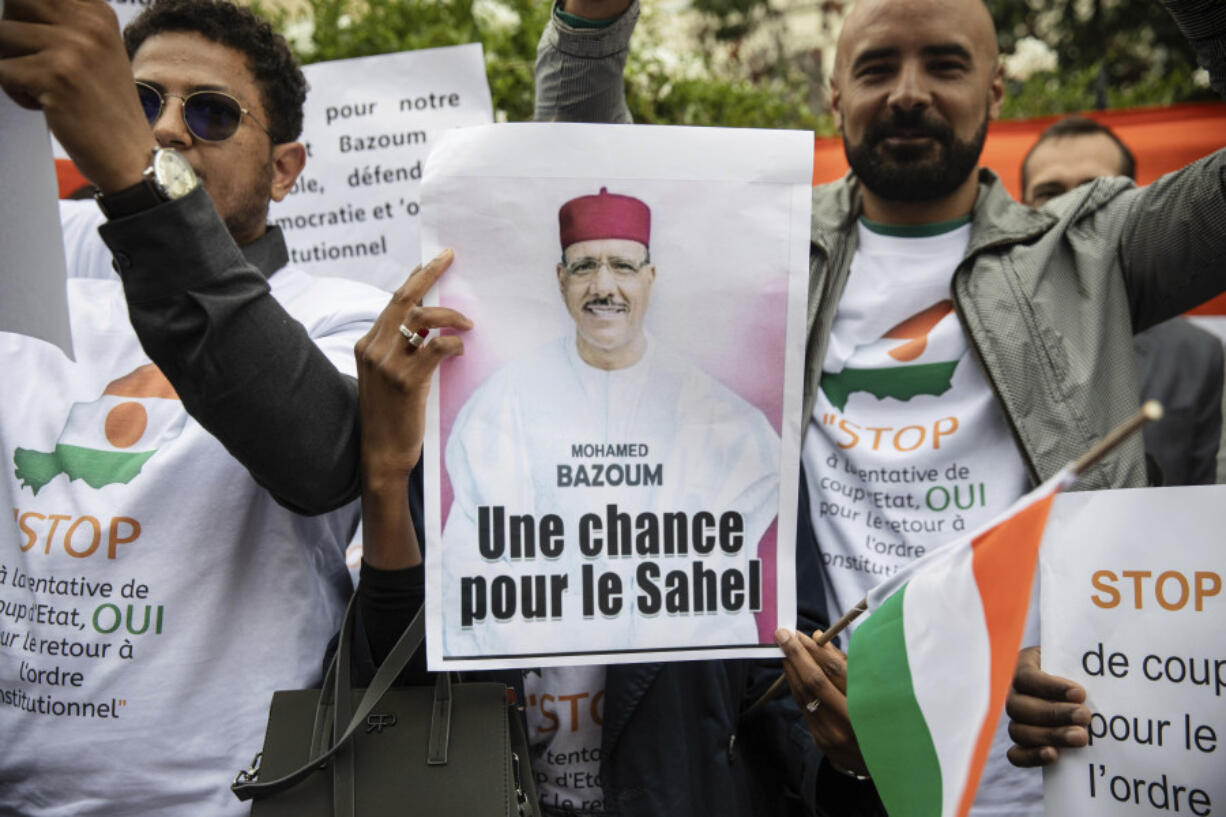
110	439
918	356
928	670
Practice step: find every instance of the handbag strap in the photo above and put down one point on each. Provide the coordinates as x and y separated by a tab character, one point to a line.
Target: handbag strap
440	721
343	788
247	786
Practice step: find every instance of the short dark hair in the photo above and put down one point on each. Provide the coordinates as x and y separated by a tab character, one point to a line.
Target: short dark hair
277	74
1082	126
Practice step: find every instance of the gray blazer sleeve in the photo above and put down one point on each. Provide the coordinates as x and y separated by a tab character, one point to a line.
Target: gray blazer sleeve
1173	240
244	369
579	71
1203	22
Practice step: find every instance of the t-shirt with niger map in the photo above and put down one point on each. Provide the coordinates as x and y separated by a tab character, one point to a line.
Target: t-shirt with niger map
152	595
907	447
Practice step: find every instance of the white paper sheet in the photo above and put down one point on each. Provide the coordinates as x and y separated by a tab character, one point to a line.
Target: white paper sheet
369	124
33	297
729	213
1133	604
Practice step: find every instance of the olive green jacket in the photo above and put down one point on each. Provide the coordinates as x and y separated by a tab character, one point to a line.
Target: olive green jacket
1050	299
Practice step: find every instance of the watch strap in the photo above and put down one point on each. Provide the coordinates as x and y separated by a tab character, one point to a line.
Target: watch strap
141	196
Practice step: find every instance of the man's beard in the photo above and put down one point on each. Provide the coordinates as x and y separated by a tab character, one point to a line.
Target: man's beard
249	215
903	174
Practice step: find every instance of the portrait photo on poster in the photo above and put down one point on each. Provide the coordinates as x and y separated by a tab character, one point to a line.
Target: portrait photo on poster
608	477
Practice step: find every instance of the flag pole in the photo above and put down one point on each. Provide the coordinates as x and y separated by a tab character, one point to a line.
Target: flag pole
821	639
1150	411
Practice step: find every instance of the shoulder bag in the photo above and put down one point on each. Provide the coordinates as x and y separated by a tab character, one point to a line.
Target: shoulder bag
447	750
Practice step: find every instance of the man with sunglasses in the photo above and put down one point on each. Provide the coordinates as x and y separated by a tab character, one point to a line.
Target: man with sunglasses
159	581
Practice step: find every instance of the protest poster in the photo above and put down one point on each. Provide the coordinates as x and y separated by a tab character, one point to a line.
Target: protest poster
126	10
611	467
368	125
1132	604
33	298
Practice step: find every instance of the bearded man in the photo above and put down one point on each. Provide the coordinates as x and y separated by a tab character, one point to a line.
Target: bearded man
961	346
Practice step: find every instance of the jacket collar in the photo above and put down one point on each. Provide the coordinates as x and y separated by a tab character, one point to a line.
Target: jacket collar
996	218
268	252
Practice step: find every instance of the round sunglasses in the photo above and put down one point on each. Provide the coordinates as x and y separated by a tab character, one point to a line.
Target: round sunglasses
210	116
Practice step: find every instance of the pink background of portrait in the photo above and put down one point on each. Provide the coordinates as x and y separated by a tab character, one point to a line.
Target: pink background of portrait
719	298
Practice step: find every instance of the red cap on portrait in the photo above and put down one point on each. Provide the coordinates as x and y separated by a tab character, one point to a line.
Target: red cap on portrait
605	215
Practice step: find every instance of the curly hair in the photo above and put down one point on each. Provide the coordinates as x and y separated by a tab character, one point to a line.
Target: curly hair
272	64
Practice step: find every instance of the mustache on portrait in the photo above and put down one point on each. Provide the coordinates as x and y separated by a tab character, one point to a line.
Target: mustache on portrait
606	300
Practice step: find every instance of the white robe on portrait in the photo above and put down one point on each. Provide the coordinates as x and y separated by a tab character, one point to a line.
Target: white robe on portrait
714	452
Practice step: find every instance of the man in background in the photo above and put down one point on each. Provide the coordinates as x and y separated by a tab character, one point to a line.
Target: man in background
990	336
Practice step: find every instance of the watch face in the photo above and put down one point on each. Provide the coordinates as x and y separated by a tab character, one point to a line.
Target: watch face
173	173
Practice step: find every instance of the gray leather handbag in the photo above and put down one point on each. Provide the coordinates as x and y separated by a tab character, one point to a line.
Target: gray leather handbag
447	750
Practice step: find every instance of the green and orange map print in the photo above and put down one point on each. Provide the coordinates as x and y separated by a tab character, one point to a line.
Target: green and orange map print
903	363
108	441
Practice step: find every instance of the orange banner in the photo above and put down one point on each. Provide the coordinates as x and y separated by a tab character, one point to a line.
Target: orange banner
1162	139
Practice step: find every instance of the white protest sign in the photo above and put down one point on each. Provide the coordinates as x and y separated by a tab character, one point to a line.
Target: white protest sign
611	466
125	10
1133	606
369	124
33	298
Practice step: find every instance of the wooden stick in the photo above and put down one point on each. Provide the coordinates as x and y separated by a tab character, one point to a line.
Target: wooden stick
823	639
1149	412
1152	410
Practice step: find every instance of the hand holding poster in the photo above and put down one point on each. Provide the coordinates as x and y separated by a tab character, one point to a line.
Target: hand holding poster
368	125
611	466
1132	609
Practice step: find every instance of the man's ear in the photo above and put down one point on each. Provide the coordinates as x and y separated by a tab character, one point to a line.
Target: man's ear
996	91
288	159
835	99
561	280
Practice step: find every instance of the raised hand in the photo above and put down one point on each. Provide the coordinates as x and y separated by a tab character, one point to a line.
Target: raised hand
394	374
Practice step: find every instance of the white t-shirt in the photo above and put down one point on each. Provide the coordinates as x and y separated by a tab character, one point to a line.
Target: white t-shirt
89	255
565	715
907	446
152	595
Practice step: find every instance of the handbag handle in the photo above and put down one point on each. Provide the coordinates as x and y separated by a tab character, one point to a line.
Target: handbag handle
247	786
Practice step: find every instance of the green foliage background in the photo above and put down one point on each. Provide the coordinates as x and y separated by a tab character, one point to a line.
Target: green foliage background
1140	60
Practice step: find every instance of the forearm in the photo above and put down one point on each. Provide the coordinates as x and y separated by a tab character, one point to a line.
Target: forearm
579	71
388	600
389	538
839	795
1203	22
243	368
1173	240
